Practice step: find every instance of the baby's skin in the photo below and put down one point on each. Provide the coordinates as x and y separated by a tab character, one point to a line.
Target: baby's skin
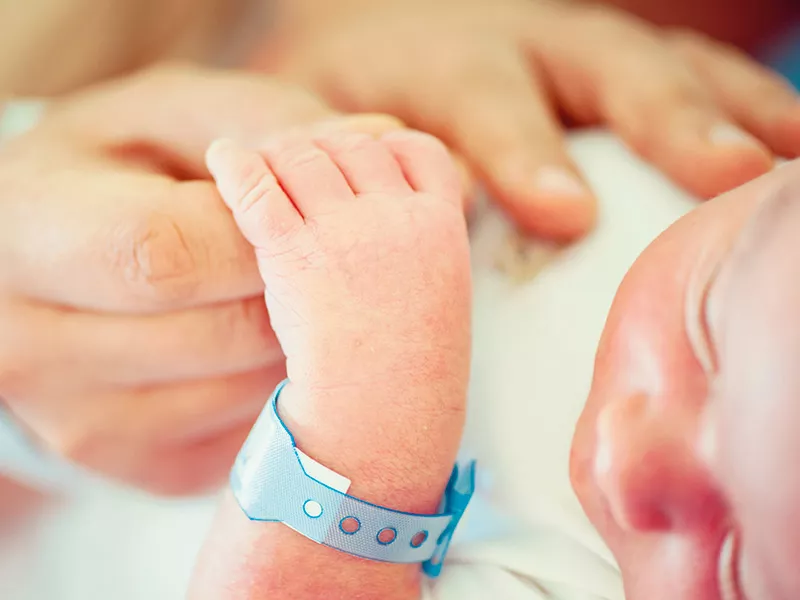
686	455
363	249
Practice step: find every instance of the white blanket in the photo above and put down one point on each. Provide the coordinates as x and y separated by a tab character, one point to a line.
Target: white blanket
534	346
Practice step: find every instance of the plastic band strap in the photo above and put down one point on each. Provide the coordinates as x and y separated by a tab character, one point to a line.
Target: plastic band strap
270	484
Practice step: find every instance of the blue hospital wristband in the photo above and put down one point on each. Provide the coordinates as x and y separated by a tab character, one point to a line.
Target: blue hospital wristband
271	482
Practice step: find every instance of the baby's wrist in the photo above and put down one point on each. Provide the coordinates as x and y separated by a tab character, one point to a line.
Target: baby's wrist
398	452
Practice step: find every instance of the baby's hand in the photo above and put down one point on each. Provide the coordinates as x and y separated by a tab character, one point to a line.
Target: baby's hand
364	252
363	249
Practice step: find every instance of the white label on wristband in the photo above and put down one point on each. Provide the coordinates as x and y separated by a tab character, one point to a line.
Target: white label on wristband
323	474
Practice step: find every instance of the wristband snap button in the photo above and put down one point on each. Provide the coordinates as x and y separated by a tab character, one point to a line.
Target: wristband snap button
312	508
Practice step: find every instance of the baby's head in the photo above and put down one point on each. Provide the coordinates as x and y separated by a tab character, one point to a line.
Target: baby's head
687	456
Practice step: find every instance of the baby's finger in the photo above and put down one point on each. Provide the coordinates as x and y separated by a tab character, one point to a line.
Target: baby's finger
502	124
756	97
624	74
378	125
427	164
252	192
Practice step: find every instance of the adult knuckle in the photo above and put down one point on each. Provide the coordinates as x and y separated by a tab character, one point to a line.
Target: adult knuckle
666	96
155	260
655	100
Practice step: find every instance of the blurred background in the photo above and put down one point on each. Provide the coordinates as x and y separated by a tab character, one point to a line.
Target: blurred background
53	46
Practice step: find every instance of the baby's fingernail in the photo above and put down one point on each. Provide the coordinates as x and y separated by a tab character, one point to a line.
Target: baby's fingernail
726	134
559	181
218	152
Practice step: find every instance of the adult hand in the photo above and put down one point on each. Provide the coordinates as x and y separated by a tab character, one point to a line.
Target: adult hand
134	335
491	77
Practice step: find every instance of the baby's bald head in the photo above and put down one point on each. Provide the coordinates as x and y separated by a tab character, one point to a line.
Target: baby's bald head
754	413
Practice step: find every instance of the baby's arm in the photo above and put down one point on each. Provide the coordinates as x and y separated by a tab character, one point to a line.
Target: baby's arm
364	253
405	470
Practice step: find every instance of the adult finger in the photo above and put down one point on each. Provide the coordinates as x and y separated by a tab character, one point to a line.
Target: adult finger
174	413
624	74
192	468
168	469
71	346
182	109
95	236
758	98
495	114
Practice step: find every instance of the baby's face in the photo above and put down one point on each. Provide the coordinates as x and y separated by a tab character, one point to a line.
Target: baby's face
754	422
686	456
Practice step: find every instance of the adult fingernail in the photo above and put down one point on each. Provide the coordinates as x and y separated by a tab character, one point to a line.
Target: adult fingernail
727	134
559	181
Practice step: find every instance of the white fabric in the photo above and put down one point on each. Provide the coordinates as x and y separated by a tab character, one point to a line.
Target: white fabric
23	461
534	347
18	116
